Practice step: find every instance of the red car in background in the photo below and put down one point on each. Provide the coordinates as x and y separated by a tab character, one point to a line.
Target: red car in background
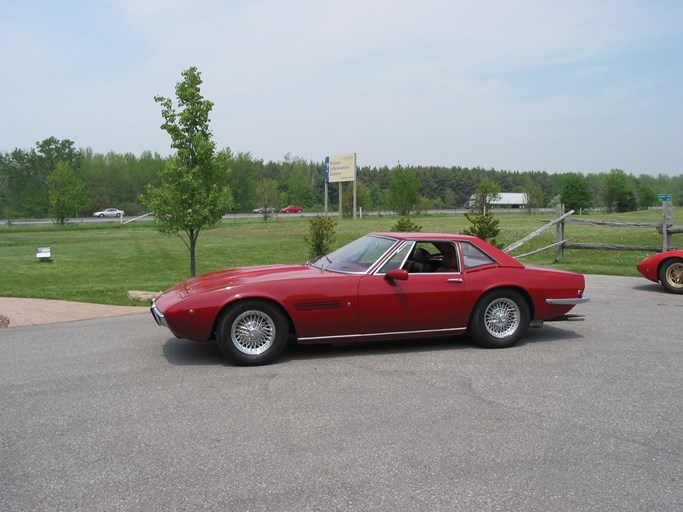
665	268
382	286
292	209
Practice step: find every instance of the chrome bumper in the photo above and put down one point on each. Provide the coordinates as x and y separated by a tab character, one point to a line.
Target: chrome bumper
568	302
572	317
158	315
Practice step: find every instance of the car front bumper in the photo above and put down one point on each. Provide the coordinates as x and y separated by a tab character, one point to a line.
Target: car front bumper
158	315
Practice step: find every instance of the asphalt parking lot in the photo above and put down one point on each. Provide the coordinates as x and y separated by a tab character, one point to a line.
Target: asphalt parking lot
115	414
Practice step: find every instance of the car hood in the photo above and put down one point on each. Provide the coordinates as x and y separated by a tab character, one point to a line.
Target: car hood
222	279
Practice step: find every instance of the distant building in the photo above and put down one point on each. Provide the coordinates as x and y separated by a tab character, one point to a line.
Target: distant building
506	200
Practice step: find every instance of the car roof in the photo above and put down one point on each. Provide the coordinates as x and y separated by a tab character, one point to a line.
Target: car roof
419	235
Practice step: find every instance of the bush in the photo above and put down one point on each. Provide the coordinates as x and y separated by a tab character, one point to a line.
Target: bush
485	227
404	224
321	231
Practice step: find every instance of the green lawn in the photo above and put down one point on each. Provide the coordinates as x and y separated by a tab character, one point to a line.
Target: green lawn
101	262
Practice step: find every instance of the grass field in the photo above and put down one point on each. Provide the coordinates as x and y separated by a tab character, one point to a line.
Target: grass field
101	262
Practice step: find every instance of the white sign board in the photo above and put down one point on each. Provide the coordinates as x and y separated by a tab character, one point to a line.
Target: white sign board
340	168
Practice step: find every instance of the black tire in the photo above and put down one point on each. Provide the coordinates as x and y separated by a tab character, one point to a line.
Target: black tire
499	319
671	275
252	332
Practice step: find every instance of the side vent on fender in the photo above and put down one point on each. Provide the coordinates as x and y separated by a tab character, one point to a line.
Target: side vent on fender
316	306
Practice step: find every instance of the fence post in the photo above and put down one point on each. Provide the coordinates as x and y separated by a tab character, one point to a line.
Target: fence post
559	233
667	222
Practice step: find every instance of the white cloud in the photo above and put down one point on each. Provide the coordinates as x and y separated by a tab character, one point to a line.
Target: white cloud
525	84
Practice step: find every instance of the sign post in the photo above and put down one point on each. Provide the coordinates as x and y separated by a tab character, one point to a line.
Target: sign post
339	169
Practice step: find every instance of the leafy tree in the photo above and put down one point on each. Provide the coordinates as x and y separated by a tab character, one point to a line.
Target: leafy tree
193	193
616	192
321	234
404	191
362	198
243	174
534	194
24	175
576	193
646	197
51	151
267	194
487	192
67	194
295	179
450	199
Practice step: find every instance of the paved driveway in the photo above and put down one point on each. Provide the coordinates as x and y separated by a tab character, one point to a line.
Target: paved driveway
114	414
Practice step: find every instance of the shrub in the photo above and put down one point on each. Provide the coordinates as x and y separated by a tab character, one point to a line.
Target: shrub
405	224
321	234
483	226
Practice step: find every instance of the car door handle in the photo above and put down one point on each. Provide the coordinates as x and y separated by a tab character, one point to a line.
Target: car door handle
454	280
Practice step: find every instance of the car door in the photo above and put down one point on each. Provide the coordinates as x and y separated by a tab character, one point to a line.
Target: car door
425	301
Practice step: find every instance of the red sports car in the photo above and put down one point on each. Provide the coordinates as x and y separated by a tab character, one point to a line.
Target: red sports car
665	268
292	209
383	286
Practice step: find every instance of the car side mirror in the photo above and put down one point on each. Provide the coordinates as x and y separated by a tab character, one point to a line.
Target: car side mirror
397	275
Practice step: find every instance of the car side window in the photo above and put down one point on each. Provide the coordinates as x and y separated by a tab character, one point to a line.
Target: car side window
473	256
397	260
449	260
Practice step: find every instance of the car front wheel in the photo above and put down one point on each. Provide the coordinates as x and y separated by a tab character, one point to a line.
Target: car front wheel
252	333
671	275
499	319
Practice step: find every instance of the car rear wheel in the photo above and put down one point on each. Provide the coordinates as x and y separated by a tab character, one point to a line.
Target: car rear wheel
671	275
252	332
499	319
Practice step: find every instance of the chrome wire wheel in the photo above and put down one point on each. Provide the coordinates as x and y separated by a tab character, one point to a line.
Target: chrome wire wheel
253	332
674	275
502	318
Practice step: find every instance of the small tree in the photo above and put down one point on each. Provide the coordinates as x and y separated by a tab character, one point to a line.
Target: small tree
321	234
487	192
483	226
616	192
267	194
646	197
67	195
533	194
403	194
193	193
576	193
405	225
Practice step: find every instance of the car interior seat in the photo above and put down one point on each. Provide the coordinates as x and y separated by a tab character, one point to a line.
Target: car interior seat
420	261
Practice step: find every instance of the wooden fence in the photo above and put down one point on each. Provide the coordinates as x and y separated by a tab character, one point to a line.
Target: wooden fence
665	227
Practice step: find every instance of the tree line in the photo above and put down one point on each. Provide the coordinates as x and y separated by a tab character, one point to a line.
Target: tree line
28	179
118	180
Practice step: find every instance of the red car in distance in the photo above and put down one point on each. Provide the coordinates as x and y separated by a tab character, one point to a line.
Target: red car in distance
665	268
382	286
292	209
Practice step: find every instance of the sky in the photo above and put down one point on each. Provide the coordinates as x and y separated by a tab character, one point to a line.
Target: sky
521	85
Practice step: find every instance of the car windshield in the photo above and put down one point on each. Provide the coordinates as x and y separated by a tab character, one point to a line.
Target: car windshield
356	257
